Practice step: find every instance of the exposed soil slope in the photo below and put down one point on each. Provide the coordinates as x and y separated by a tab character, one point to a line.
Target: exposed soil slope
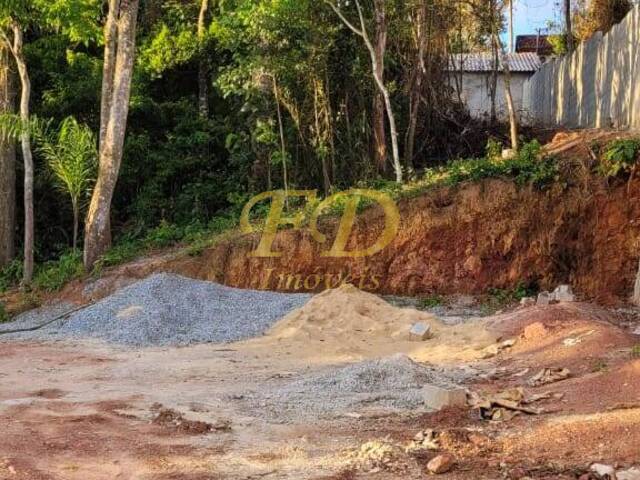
582	230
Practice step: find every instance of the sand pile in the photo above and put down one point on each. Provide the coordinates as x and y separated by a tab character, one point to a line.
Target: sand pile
345	312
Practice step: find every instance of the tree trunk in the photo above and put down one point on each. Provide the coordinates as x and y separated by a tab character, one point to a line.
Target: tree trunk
120	37
568	26
7	167
416	90
76	222
511	36
203	64
376	61
25	142
506	77
378	113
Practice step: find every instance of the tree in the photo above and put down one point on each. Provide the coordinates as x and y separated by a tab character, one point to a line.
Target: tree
377	65
72	159
203	63
11	34
7	166
568	30
119	55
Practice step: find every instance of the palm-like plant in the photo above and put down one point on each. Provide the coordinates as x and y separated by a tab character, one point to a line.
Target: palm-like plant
72	157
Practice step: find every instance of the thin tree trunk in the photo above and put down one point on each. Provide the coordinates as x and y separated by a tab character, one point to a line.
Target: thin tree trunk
25	142
378	113
203	64
76	222
506	77
568	26
7	166
511	37
116	95
416	90
283	147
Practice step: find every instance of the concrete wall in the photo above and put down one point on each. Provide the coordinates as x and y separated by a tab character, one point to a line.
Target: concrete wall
475	93
597	86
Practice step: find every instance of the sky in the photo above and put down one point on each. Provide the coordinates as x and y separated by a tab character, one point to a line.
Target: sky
530	15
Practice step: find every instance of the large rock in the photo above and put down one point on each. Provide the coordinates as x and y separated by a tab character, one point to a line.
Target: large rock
441	464
437	397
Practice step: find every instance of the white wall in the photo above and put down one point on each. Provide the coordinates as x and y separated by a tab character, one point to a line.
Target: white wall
475	94
597	86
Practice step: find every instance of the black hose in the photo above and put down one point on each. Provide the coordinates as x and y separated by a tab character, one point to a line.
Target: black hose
38	327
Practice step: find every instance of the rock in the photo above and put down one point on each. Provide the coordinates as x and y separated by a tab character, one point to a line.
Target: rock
563	293
631	474
437	398
637	331
527	301
420	332
544	298
441	464
604	471
508	154
534	331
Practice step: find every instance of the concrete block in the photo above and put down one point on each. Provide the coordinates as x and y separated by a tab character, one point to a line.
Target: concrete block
563	293
544	298
420	332
437	398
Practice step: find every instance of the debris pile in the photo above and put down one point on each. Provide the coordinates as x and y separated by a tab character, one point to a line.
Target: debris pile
391	383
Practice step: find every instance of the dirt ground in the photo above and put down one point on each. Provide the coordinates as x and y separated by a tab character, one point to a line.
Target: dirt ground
91	411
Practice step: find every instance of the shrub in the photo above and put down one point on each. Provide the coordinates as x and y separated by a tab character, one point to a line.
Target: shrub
4	316
52	276
11	275
431	301
619	156
635	351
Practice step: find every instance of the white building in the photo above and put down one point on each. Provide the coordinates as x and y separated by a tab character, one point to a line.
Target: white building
472	72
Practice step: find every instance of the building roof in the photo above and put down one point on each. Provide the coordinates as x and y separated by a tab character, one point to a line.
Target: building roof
534	43
483	62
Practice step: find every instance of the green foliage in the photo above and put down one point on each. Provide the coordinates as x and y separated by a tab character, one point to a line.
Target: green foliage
494	148
635	351
500	297
526	168
10	275
4	316
431	301
619	156
52	276
72	158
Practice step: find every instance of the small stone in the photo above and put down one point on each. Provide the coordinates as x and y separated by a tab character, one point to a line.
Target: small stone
437	398
527	301
517	473
441	464
631	474
420	332
535	331
637	331
605	471
563	293
544	298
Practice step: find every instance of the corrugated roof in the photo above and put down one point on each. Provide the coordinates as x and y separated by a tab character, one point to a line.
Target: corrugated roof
534	43
483	62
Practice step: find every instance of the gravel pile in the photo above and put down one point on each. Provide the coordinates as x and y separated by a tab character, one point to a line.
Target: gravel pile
169	310
392	383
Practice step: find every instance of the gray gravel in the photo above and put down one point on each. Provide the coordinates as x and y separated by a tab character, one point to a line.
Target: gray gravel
393	383
167	310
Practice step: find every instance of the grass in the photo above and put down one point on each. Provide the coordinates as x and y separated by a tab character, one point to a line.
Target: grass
431	301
